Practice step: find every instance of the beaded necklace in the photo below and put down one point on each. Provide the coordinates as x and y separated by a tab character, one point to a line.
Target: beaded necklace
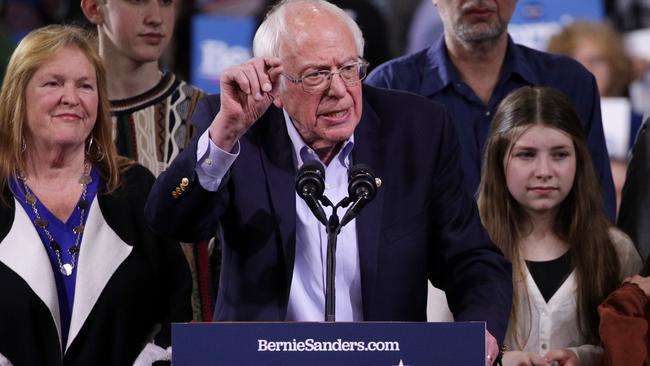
65	268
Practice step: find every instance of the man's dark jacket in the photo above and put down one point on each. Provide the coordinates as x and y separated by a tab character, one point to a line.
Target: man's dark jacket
421	226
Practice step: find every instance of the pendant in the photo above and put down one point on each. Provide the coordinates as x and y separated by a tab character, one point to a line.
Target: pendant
78	229
42	223
30	198
83	205
85	179
66	269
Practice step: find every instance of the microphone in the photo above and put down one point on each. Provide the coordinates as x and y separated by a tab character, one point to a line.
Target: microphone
310	185
362	188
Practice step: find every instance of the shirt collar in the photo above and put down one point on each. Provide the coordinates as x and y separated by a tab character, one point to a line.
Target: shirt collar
515	62
440	71
303	153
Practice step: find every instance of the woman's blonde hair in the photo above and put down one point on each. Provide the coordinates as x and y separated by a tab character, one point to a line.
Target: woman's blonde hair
580	221
610	44
34	50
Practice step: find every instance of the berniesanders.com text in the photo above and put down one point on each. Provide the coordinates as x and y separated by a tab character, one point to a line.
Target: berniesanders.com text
312	345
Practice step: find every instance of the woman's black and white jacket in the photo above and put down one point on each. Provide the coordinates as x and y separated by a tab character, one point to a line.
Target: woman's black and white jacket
130	283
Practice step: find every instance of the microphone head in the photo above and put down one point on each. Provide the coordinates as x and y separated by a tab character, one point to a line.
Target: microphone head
361	181
310	180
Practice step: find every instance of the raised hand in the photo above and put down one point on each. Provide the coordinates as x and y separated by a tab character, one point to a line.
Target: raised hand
247	91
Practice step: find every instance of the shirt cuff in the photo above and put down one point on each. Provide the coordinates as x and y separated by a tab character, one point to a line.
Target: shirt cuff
213	162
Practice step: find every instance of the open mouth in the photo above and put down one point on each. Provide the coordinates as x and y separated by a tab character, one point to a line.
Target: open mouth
336	114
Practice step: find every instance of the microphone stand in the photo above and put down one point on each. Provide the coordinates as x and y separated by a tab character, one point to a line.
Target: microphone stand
333	229
310	187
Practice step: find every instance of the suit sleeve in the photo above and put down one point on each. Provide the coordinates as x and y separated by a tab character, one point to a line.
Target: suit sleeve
473	272
634	215
178	206
598	149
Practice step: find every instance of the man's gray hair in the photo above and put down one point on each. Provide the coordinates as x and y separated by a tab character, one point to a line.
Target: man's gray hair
274	27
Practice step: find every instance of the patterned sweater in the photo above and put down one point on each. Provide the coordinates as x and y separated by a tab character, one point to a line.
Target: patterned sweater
153	128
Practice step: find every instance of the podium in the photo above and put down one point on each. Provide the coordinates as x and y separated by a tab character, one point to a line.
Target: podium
328	343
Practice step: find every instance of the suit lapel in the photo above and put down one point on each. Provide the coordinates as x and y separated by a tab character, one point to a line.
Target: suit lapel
278	165
368	144
23	252
102	252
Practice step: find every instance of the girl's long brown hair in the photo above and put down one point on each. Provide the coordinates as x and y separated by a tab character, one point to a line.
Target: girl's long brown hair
580	221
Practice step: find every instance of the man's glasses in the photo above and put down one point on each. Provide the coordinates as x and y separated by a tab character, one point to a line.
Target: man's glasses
317	81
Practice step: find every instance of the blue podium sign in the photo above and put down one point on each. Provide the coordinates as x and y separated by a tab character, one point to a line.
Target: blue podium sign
320	344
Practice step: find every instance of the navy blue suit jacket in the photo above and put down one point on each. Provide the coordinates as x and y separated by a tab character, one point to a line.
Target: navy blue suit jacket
422	224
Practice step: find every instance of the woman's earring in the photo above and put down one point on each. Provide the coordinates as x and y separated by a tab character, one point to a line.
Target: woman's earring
100	153
90	145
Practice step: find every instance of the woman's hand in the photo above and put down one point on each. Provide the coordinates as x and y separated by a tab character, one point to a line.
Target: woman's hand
563	357
642	282
521	358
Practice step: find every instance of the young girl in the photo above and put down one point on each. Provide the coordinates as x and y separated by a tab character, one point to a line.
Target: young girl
151	108
540	202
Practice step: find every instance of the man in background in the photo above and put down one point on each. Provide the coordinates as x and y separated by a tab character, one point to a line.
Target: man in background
476	64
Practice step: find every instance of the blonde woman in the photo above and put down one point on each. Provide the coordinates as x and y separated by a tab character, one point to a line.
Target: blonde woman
89	283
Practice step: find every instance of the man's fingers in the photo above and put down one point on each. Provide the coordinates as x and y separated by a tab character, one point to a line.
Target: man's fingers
272	61
236	78
269	72
264	82
491	347
254	77
250	71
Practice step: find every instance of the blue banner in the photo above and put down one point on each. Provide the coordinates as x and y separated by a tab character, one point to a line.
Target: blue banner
217	43
326	344
535	21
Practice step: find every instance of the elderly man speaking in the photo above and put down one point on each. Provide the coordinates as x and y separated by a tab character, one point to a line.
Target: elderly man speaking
300	100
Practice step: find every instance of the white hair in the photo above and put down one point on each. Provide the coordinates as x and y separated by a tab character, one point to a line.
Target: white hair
267	39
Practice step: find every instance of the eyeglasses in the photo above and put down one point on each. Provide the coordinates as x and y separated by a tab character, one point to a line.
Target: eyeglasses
317	81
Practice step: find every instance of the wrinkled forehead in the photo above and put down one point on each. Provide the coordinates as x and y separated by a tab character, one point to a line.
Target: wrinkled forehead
310	28
70	58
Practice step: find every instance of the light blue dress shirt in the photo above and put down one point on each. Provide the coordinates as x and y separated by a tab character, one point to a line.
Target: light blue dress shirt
307	292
